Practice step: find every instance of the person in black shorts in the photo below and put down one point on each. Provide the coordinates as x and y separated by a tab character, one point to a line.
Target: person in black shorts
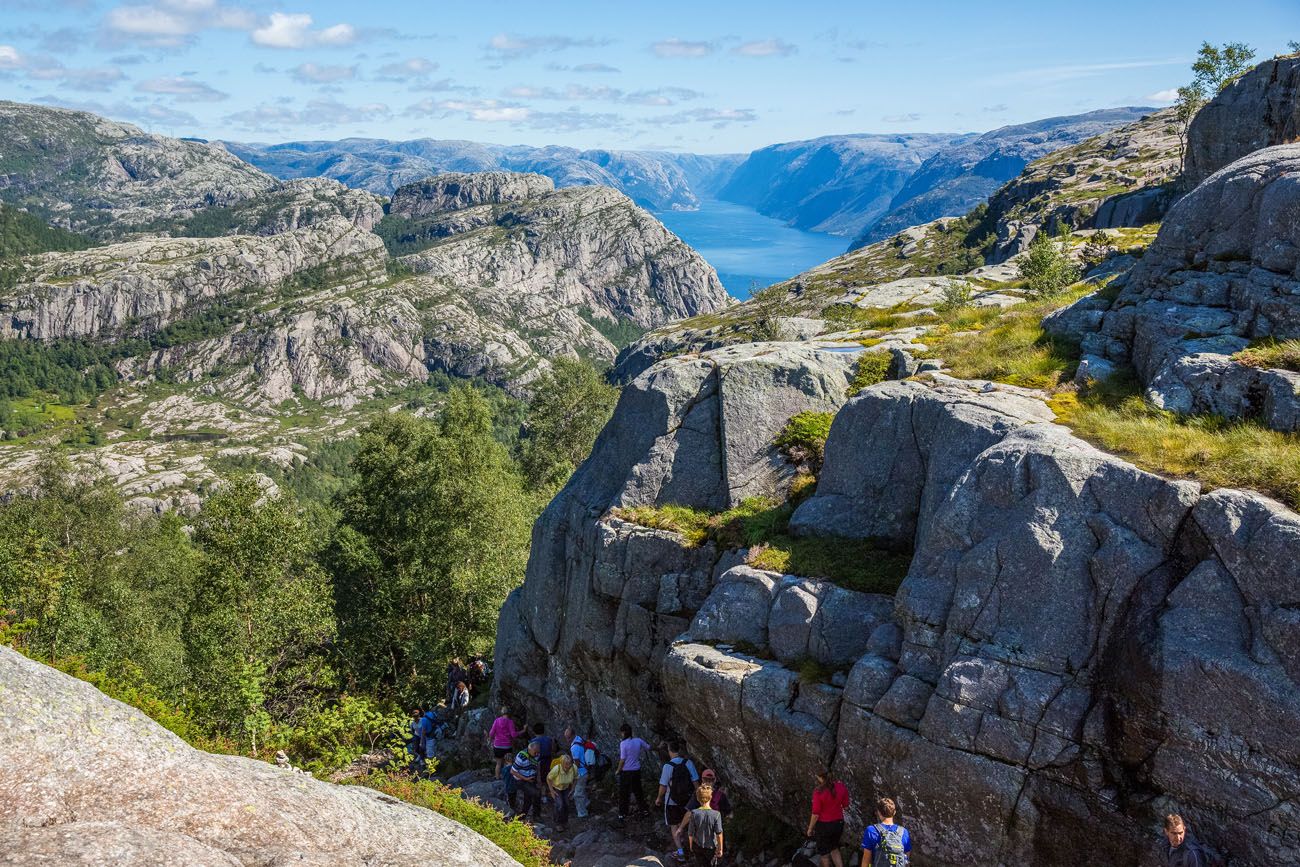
826	824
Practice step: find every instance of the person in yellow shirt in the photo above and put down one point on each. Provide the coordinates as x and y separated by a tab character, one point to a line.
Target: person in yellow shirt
561	779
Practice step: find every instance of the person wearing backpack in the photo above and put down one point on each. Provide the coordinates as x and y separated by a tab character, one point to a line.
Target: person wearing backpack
545	751
702	827
1180	848
677	783
578	752
886	844
826	824
630	752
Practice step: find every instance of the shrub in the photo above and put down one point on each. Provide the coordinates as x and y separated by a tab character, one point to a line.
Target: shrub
957	294
873	367
803	440
1097	250
516	838
1046	268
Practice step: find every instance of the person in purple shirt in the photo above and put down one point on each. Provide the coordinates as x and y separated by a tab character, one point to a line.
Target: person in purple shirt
630	752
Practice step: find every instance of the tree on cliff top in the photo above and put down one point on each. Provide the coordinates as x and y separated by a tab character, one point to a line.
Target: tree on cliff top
433	534
569	407
1214	69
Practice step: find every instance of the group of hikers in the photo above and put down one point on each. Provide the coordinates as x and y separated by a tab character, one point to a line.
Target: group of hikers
428	726
694	803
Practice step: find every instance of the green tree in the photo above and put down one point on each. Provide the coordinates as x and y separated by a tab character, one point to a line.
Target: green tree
570	405
261	614
1046	269
769	306
433	535
1218	66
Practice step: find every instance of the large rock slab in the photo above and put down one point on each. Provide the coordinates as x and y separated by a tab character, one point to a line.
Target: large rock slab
143	794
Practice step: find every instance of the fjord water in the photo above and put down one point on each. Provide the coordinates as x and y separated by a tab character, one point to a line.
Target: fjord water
748	248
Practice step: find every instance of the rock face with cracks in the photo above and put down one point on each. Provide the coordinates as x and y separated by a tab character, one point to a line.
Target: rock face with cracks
1223	272
1258	110
140	795
1078	648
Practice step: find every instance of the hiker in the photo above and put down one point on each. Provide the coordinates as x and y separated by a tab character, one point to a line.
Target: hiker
702	827
460	701
630	752
545	750
524	772
1180	848
501	737
561	780
414	744
677	781
720	801
578	752
826	824
455	674
477	673
885	844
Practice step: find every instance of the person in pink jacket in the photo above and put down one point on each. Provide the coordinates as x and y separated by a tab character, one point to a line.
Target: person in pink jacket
501	738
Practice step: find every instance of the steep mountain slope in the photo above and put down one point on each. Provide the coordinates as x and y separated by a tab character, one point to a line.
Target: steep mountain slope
254	331
967	172
655	180
103	178
835	184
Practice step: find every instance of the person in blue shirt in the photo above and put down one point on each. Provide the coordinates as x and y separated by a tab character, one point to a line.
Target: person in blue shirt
885	844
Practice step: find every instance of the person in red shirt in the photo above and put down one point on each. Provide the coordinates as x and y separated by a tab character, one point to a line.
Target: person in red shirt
826	825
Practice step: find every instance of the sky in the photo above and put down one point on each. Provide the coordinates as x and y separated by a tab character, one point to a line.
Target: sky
708	76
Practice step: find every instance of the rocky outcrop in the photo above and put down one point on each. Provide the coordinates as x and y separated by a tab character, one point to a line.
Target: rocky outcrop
1078	647
141	795
455	191
552	255
104	178
1258	110
1125	177
1224	270
141	287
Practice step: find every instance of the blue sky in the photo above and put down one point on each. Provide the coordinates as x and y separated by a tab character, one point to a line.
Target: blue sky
702	76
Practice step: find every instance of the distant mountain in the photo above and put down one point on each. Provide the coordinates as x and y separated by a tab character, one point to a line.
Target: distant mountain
99	177
968	171
653	179
837	184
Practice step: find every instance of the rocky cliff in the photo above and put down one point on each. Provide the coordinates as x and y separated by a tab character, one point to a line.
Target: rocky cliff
1261	109
1078	646
1222	273
87	780
96	176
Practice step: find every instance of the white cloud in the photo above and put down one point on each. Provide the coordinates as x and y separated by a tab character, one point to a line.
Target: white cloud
765	48
268	117
717	117
149	114
184	89
294	30
910	117
313	73
661	96
508	46
1073	72
407	70
582	67
681	48
1170	95
42	67
171	23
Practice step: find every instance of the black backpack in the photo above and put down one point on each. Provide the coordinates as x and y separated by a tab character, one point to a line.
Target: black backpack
890	852
680	786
